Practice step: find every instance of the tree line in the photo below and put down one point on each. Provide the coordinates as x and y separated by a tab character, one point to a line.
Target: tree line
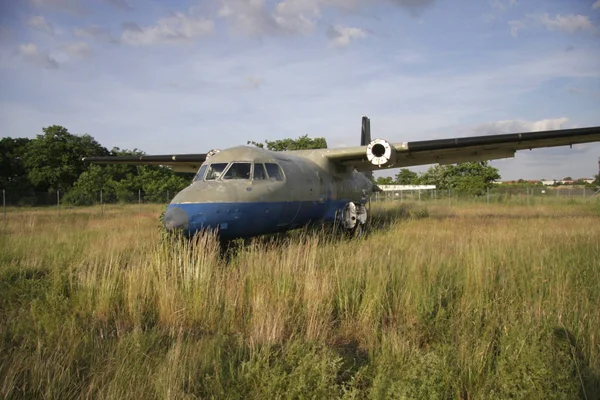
472	178
52	162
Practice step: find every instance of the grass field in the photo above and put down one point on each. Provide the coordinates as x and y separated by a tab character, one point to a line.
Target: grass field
440	301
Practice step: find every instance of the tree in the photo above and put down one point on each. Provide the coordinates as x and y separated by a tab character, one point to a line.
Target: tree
54	160
470	177
121	182
13	174
384	180
302	143
407	177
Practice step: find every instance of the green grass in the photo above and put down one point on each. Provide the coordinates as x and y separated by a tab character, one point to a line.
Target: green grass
461	300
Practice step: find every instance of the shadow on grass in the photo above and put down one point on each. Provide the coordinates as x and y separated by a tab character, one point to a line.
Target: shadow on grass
583	374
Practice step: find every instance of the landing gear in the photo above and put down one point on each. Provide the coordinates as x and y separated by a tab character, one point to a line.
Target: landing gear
353	219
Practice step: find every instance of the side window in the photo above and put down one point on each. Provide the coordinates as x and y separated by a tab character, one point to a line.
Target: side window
215	171
259	172
238	170
275	173
200	175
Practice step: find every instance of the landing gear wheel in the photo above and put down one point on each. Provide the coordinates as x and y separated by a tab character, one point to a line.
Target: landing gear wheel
353	220
358	232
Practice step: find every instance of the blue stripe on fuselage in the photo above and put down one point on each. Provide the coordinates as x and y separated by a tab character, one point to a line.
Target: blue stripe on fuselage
246	219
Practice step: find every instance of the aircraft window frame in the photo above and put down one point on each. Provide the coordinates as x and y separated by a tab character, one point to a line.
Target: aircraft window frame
264	170
201	173
210	169
279	169
233	165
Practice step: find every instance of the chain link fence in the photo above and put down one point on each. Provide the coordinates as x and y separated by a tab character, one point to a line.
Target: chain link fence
494	195
519	195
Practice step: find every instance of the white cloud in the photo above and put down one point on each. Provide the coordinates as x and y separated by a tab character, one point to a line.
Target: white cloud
515	27
176	28
78	49
40	23
502	5
120	4
69	6
596	4
340	36
566	23
260	17
30	53
569	23
253	82
255	18
95	32
519	126
415	7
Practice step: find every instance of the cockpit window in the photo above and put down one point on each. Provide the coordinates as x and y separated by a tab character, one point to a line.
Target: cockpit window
238	170
214	171
259	172
200	175
275	173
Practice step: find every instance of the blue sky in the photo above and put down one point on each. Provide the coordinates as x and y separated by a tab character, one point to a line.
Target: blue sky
189	76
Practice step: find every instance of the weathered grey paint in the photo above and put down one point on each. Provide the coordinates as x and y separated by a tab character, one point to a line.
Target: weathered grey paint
308	177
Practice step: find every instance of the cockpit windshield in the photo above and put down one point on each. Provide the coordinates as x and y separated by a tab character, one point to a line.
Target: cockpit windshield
215	170
200	175
274	170
238	170
259	172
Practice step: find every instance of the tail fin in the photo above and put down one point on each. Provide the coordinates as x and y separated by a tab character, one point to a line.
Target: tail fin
365	132
365	139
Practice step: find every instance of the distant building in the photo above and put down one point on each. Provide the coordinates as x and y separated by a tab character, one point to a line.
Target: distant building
545	182
400	188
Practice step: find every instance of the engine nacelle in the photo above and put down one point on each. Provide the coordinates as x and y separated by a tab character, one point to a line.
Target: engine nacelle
380	152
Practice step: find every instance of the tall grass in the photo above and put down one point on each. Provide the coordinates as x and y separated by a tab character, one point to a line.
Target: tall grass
438	301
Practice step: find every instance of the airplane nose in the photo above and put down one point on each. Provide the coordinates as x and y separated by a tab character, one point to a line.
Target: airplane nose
176	218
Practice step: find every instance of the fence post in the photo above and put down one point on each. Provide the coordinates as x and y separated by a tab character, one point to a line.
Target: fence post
4	203
57	202
488	195
584	192
101	204
140	199
168	197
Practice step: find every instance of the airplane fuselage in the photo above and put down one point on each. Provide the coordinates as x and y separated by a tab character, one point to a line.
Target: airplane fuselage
248	191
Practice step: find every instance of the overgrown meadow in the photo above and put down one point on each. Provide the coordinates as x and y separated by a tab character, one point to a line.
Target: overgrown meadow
439	301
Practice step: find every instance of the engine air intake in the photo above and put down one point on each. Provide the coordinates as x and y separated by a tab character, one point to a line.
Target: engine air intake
381	152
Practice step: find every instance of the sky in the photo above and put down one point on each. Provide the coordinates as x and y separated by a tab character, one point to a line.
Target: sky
187	76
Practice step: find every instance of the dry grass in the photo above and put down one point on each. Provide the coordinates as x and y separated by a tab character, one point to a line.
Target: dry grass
439	301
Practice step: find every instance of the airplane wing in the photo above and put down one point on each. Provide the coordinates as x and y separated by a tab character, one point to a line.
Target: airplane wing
177	162
456	150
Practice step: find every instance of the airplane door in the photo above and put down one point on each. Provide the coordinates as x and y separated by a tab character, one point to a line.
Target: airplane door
293	201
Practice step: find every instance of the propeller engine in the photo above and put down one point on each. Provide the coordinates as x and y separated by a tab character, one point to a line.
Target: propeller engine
380	152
